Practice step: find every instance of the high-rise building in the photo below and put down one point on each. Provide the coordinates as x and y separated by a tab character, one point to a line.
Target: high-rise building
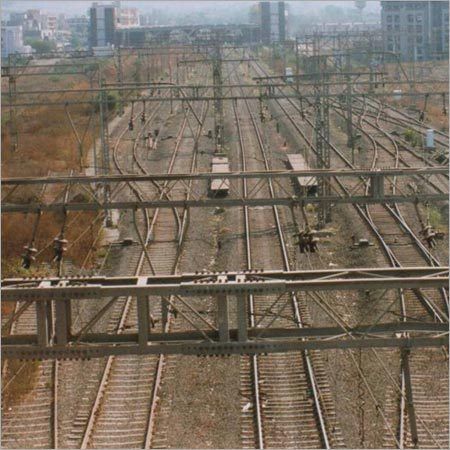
416	30
102	25
12	41
272	22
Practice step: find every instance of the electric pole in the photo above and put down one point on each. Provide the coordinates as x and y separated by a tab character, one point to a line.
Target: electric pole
218	104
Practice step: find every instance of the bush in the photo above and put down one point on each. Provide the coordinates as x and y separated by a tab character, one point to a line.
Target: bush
412	137
112	103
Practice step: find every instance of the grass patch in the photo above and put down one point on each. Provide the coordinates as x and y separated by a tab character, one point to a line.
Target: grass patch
412	137
23	376
436	219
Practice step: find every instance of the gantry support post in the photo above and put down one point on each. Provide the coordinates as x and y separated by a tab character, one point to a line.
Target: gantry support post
164	314
105	148
13	133
218	103
409	397
297	66
223	317
377	186
322	141
242	320
119	70
42	324
94	137
143	313
63	320
371	77
350	139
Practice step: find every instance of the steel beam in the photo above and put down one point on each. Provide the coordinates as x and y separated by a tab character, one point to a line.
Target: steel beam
215	348
371	330
273	174
291	201
203	98
210	283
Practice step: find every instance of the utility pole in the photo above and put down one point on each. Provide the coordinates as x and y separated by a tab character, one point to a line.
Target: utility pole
94	137
297	65
350	140
218	104
119	70
105	148
371	79
13	133
322	140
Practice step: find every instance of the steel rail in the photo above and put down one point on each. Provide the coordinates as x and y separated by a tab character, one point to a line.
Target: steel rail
404	371
390	255
392	153
395	263
349	164
149	227
323	432
396	214
254	365
87	435
160	365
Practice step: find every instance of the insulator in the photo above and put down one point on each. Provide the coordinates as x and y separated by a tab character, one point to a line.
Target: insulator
143	117
130	125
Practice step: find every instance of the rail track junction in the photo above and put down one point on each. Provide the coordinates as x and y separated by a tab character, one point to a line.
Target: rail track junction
291	315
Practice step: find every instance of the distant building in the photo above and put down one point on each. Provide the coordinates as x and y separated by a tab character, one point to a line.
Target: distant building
12	41
78	25
129	17
62	22
16	19
102	25
51	23
416	30
272	21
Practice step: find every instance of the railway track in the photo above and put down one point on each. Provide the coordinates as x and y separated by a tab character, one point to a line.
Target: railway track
48	377
31	423
402	247
130	385
292	404
417	305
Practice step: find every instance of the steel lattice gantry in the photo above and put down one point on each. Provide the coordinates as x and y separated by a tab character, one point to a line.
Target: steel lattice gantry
223	288
380	183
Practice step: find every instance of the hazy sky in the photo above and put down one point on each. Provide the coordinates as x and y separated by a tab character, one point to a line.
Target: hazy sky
80	7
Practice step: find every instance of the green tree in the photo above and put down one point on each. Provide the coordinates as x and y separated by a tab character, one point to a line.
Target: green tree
41	46
75	41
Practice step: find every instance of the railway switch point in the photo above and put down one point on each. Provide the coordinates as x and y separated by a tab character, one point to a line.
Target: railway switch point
361	243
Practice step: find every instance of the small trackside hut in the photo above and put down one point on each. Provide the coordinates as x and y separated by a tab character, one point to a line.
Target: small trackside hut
219	187
307	185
